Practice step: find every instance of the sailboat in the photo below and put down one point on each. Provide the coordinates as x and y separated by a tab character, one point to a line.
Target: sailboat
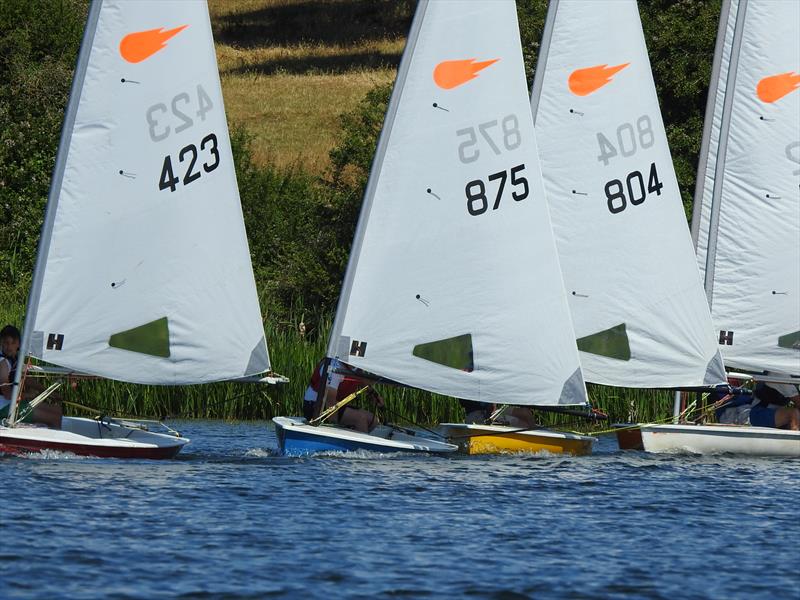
746	220
635	294
143	270
453	284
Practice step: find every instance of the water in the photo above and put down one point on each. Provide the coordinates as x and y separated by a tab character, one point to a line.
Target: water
229	519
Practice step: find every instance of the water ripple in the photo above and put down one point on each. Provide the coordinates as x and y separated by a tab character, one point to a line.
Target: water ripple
231	519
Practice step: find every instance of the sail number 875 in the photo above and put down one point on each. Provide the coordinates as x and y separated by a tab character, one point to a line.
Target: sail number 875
478	202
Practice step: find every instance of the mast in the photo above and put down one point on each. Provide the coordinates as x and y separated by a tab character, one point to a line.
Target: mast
719	168
541	60
52	199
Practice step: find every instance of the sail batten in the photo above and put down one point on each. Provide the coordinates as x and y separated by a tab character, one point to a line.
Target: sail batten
637	303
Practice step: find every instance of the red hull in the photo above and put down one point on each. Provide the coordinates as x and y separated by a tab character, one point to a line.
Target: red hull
630	439
22	446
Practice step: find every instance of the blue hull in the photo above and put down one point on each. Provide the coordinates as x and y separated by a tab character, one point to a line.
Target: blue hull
299	443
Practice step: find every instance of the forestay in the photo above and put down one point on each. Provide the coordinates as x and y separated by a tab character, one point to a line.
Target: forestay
453	284
635	294
746	222
144	271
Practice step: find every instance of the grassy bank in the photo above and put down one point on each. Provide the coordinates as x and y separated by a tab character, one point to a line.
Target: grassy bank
288	76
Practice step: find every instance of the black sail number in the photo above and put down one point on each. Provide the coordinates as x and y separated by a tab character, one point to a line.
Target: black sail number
475	190
190	176
616	199
189	155
210	139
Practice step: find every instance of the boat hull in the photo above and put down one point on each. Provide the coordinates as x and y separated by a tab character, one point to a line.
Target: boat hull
297	438
89	437
719	439
629	436
501	439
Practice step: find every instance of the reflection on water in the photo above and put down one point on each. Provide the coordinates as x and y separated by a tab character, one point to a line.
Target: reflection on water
229	518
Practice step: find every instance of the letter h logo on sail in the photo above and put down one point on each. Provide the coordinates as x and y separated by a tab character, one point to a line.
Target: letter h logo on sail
725	338
358	348
55	341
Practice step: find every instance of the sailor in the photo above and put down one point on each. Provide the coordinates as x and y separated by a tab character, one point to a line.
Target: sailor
771	405
44	412
481	412
338	386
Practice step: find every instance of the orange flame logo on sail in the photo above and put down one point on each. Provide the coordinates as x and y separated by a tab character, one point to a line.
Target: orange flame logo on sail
583	82
141	45
453	73
772	89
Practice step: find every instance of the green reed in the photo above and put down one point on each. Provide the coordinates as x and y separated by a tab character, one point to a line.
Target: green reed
296	343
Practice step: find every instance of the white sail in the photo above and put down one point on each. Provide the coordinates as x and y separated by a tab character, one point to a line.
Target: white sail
144	271
635	294
746	221
453	284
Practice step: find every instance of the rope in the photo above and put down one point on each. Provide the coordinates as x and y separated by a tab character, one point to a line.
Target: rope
401	417
130	422
690	407
332	409
37	401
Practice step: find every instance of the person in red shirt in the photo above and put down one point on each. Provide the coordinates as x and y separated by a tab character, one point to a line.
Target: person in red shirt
338	386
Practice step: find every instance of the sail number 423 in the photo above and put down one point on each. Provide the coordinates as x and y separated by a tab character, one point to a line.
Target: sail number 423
188	154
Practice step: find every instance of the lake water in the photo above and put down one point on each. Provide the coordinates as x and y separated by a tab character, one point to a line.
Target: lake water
229	519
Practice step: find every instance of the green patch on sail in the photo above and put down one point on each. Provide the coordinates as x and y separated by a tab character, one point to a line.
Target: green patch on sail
790	340
454	352
151	338
612	343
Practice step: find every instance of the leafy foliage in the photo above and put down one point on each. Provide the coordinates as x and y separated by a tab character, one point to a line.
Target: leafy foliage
38	45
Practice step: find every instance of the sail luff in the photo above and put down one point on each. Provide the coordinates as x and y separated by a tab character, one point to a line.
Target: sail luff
53	195
541	60
372	180
708	126
719	169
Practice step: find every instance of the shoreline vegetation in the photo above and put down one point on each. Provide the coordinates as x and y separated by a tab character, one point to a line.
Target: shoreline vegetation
305	103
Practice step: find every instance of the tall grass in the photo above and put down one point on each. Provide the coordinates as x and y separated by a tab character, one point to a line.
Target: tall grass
296	345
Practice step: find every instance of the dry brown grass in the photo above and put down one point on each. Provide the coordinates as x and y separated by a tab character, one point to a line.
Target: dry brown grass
295	118
290	67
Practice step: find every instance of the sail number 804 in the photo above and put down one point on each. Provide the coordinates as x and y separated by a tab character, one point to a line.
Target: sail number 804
637	192
478	201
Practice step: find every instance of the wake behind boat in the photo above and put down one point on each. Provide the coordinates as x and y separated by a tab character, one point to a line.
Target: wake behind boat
143	270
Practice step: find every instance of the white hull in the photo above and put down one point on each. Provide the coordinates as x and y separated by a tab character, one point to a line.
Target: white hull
719	439
90	437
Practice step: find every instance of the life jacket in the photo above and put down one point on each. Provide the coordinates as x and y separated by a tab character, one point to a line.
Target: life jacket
12	363
348	385
769	395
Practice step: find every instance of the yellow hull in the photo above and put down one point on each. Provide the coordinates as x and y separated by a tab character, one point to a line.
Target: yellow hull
474	439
